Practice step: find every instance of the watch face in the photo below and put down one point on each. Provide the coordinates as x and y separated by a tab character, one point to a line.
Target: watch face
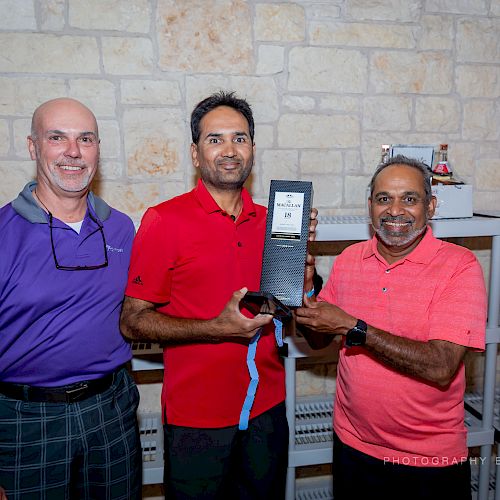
355	337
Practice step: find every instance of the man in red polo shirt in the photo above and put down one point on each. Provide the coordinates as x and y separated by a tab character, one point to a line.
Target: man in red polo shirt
408	307
193	260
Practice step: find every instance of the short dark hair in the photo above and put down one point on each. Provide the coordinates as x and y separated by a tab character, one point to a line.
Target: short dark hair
409	162
221	98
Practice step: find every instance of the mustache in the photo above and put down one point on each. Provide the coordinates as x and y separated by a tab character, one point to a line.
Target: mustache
228	160
397	219
70	163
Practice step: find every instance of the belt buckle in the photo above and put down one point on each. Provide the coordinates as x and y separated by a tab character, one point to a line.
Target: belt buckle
73	395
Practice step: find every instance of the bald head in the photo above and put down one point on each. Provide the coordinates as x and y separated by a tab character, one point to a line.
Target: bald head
64	142
62	105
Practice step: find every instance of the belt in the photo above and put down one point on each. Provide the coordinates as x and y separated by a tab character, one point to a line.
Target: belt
65	394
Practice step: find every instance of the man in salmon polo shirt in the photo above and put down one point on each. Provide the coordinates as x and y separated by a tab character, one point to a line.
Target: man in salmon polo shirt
193	260
408	307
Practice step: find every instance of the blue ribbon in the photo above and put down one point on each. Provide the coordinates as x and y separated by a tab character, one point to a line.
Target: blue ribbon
278	332
254	382
254	374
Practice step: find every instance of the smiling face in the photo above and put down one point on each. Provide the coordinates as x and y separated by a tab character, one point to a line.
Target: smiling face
224	153
399	211
65	145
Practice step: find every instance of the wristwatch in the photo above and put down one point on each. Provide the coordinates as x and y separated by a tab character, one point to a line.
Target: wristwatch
357	335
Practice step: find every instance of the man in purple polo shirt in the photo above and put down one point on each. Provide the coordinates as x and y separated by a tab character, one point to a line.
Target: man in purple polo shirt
68	426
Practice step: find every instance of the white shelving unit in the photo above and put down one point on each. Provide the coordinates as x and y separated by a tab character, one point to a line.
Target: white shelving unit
481	432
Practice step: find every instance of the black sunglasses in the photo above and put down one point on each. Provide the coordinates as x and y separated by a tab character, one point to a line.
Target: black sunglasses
78	268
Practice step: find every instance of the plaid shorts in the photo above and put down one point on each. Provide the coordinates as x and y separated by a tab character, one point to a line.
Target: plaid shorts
84	450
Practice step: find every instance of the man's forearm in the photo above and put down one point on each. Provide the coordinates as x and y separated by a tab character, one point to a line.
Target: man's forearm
434	361
152	326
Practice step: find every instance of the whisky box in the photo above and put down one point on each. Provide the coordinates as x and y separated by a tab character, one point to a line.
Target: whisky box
285	247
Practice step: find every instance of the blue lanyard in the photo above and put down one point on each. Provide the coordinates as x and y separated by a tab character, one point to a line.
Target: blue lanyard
254	374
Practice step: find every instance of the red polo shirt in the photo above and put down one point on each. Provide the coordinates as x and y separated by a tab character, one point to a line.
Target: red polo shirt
189	255
435	292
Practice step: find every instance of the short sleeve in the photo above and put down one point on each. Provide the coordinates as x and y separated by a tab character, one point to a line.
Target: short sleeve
458	313
152	260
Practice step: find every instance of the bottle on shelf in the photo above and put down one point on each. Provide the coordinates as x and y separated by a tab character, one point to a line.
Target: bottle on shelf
442	166
442	173
386	148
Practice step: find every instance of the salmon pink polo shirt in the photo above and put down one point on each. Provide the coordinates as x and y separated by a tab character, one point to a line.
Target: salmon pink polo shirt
189	257
436	292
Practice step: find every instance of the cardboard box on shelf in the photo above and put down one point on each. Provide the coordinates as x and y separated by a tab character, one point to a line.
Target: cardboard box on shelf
454	201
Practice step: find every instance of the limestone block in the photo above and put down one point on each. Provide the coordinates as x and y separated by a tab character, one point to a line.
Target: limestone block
133	199
322	11
352	162
436	33
109	133
98	95
486	200
440	114
4	138
387	113
413	72
475	7
478	81
481	120
362	35
21	96
127	56
327	190
318	131
150	397
321	162
198	88
261	93
157	92
110	15
384	10
51	14
264	136
278	164
280	22
311	382
270	59
489	150
315	69
154	143
108	170
206	36
342	103
298	103
478	40
17	15
488	175
495	7
37	53
21	129
14	175
355	190
463	158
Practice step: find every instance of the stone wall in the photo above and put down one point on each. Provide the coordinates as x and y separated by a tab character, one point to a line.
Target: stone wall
329	81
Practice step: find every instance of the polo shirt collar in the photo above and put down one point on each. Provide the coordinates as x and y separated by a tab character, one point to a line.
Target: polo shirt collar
210	205
26	206
422	254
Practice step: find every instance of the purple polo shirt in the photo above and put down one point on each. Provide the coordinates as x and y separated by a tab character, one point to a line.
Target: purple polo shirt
59	327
